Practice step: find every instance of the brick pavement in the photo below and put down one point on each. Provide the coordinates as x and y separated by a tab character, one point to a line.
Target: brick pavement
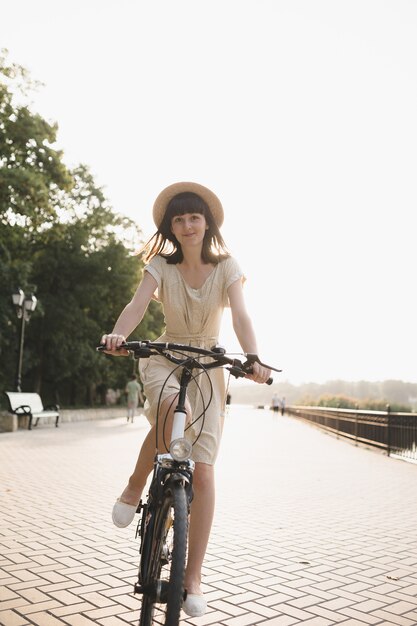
308	529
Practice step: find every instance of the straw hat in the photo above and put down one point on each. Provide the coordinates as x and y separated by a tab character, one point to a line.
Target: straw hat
168	193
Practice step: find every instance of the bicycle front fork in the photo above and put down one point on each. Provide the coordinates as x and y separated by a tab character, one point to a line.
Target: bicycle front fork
169	471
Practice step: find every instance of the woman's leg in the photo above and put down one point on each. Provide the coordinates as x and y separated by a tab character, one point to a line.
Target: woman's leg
202	512
144	463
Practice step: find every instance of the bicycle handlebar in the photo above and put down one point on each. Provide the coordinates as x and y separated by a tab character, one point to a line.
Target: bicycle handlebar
238	369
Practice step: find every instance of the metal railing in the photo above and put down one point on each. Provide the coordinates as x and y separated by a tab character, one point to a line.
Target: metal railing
395	433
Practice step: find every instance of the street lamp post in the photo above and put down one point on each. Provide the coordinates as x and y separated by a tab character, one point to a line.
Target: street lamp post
24	305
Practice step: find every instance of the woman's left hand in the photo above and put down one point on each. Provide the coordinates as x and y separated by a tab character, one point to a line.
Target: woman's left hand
260	373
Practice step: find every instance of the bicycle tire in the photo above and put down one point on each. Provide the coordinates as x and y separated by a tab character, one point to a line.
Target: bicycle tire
163	561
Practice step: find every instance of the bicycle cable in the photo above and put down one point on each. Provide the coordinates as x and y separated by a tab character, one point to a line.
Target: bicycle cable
201	416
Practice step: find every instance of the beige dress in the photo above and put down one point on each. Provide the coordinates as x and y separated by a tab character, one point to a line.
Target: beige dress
192	317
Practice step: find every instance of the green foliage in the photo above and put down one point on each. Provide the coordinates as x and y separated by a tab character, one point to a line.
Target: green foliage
365	404
336	401
61	240
31	171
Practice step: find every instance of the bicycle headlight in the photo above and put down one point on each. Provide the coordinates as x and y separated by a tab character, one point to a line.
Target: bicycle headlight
180	449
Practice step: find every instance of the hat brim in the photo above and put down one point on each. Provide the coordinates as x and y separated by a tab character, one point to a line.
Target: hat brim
166	195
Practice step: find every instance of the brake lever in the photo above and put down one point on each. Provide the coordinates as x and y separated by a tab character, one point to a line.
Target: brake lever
239	369
253	358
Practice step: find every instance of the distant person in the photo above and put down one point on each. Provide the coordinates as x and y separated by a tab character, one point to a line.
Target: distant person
228	399
275	402
134	395
282	406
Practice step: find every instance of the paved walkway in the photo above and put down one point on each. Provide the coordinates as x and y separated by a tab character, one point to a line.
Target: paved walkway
308	530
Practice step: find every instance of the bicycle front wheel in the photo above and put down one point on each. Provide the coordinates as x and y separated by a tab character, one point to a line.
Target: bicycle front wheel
163	560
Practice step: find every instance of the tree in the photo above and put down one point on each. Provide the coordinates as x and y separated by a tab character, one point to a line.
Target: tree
31	169
31	174
84	276
60	238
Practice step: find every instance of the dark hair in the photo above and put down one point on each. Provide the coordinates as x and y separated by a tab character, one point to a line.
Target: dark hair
164	242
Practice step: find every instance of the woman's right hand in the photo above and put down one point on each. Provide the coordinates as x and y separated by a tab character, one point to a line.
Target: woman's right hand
113	341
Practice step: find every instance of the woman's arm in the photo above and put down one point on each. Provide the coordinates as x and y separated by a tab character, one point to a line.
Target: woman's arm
131	315
242	325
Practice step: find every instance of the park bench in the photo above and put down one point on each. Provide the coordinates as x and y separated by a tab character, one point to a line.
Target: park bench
30	404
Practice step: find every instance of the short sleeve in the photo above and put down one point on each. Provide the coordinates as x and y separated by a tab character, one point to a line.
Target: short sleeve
232	272
155	268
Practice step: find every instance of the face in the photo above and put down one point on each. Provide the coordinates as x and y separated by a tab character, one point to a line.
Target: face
189	229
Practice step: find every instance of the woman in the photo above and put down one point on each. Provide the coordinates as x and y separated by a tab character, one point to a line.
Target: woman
194	276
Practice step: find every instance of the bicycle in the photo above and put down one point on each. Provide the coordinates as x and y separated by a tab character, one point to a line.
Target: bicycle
163	524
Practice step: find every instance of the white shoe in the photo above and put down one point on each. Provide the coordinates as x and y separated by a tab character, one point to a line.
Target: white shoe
123	514
194	605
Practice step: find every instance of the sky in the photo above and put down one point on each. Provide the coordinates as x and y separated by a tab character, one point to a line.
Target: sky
299	114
